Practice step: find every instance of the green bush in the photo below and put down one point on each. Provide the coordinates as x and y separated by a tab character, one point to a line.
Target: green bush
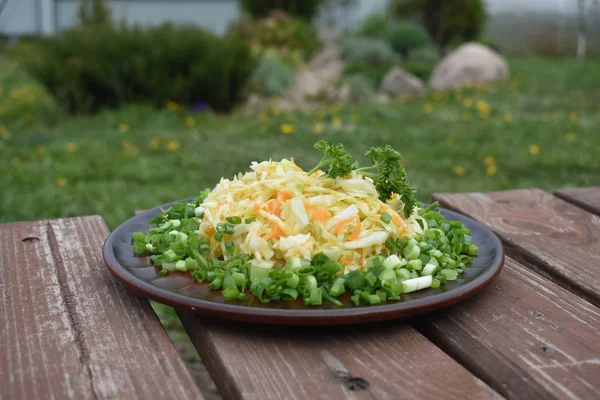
305	9
94	12
447	22
374	73
421	69
373	26
367	51
292	39
405	37
24	102
92	68
271	77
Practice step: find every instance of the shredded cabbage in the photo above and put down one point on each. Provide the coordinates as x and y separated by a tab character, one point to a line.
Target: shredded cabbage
293	214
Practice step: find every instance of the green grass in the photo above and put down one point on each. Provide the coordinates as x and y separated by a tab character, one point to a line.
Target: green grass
112	173
24	103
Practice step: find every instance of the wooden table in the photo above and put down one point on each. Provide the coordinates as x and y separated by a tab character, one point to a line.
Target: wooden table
69	330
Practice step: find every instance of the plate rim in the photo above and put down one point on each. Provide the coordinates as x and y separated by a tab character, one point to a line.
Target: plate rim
316	316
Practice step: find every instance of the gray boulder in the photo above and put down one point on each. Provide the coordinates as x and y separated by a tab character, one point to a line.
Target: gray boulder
470	64
398	82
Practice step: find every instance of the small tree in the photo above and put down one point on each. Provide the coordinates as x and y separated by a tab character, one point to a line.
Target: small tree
94	12
447	22
305	9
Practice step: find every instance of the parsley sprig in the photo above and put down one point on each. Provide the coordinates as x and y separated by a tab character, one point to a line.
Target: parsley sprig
387	172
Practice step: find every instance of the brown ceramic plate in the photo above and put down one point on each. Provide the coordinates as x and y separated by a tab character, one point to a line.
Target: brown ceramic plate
181	291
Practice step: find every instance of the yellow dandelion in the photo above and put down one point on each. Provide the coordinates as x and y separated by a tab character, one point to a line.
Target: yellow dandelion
355	118
483	107
489	160
427	108
40	150
287	129
439	96
467	116
459	170
336	121
172	105
123	128
173	144
508	117
534	149
189	122
71	147
491	170
154	143
318	128
126	144
60	182
569	137
468	102
574	116
15	160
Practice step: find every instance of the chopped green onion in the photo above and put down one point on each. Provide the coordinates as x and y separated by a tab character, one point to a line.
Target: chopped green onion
234	220
386	218
338	287
249	220
229	229
218	236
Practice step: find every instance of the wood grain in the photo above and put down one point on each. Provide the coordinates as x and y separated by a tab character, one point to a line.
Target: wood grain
378	361
525	336
557	239
68	329
587	198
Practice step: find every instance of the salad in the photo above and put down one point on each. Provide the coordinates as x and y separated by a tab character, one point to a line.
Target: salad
281	233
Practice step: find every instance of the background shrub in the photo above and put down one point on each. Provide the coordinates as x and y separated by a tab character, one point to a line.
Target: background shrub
367	51
292	39
271	76
362	89
92	68
373	26
374	73
24	102
305	9
405	37
448	22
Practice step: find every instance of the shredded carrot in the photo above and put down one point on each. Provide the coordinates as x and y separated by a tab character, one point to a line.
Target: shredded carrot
283	196
319	214
274	206
356	231
399	221
346	260
275	231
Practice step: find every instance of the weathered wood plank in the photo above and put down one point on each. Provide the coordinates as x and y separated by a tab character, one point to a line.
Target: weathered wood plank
525	336
379	361
587	198
557	239
68	329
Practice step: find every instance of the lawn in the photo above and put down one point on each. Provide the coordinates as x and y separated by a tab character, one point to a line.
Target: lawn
540	129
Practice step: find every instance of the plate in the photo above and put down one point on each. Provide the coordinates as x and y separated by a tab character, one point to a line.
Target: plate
181	291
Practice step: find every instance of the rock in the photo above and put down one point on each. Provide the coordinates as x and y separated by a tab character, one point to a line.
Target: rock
254	104
328	55
470	64
306	84
398	82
